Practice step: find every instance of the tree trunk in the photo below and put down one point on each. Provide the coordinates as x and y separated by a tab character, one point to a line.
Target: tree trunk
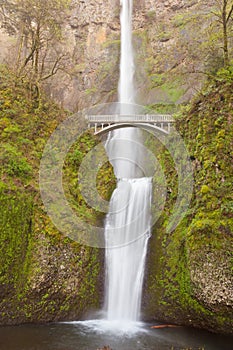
225	34
19	47
37	51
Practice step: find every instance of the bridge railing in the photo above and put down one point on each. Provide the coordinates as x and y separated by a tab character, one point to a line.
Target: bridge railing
135	118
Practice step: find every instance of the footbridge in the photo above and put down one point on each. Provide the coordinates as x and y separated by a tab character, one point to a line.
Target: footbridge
105	123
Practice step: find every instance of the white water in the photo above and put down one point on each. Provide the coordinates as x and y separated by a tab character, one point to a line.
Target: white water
123	145
128	222
126	86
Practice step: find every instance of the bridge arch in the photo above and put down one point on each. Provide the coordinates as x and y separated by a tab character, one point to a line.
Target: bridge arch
148	127
157	123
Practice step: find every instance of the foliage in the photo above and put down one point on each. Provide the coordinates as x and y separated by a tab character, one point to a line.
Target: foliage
225	74
43	275
188	48
13	162
224	15
15	221
204	238
102	178
23	127
38	26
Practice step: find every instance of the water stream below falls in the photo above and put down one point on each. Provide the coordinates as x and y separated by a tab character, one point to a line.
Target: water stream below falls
92	335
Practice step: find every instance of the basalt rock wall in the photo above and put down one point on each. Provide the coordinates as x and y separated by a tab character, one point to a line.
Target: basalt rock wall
166	45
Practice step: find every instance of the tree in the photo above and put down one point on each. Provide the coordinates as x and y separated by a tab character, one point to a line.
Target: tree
224	12
38	25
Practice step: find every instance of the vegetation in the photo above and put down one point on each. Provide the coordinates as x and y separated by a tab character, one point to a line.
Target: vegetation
224	16
183	265
38	24
188	46
44	276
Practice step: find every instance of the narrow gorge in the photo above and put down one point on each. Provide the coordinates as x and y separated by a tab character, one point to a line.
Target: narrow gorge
45	276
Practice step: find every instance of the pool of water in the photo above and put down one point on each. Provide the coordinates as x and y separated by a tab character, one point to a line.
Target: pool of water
91	335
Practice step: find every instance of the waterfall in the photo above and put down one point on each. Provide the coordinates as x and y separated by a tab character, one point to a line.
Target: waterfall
127	227
126	85
125	264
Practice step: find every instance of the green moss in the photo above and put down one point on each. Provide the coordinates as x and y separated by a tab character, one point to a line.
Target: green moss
205	189
91	91
113	42
173	91
15	228
182	19
151	14
13	163
103	179
164	36
206	232
33	286
157	79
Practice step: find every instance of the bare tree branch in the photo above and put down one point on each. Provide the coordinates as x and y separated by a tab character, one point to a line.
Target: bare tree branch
54	69
230	13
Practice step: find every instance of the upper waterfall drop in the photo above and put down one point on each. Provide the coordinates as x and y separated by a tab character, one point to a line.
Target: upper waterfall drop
123	145
126	89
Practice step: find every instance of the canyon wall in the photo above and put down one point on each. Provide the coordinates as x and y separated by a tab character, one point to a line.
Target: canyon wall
188	279
168	38
162	31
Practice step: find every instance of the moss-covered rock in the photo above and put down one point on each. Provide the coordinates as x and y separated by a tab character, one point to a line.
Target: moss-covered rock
44	276
189	272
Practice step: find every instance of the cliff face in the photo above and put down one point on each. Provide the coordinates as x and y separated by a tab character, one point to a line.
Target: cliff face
169	50
189	272
44	276
163	31
95	26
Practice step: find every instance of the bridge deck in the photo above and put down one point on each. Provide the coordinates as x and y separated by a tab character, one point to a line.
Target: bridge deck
105	123
125	118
